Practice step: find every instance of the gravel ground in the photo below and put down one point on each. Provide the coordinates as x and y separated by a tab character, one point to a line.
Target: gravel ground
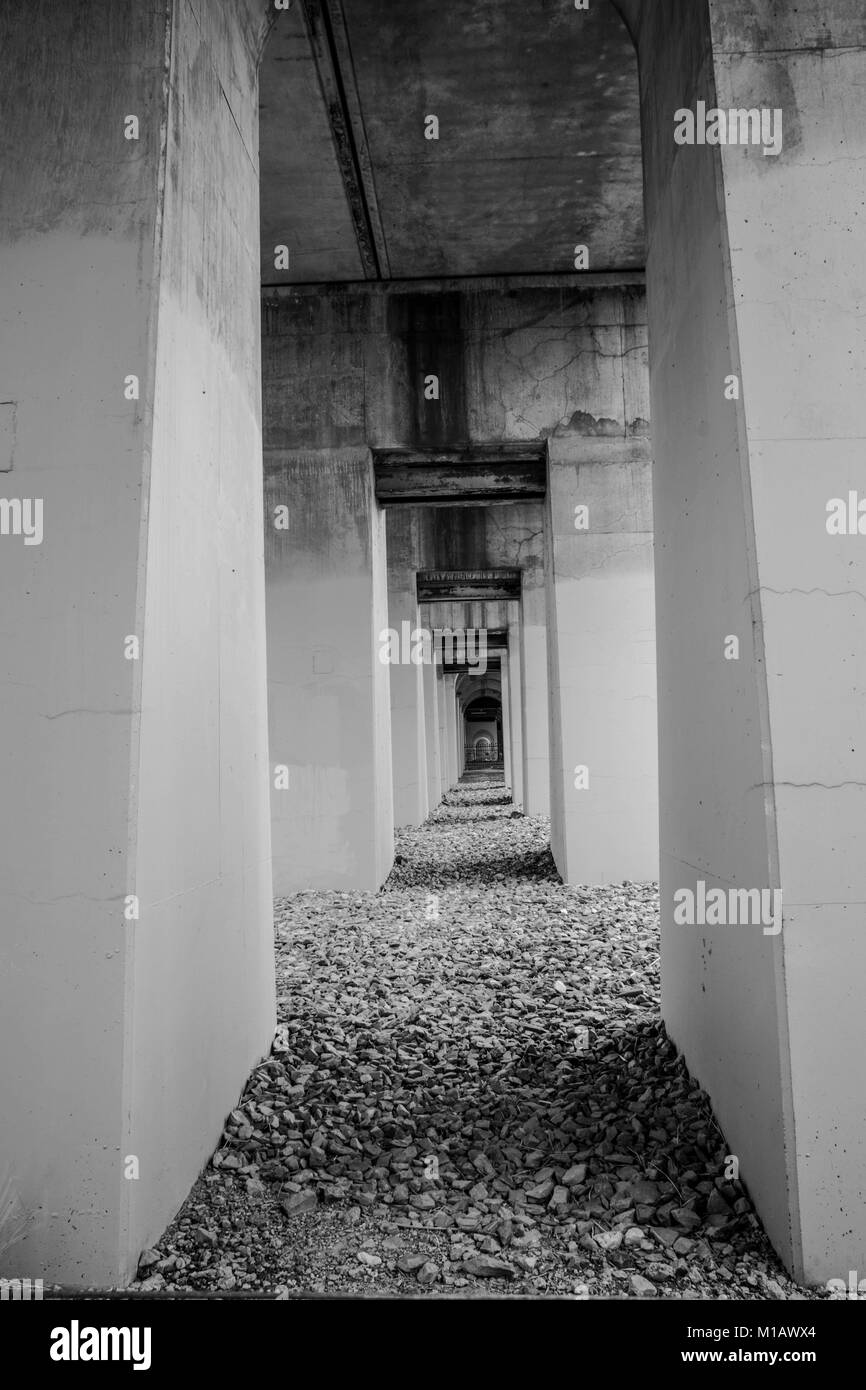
471	1092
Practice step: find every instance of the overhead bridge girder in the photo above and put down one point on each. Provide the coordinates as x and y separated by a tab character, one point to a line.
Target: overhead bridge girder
461	478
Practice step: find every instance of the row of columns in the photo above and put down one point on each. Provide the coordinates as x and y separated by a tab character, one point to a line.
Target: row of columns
364	738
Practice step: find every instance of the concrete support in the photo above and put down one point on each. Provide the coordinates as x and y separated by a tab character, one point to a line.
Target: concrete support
431	727
409	753
533	682
603	768
329	692
451	728
136	979
507	763
442	710
755	283
511	670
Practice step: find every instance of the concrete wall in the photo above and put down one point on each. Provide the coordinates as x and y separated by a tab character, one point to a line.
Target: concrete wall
126	1039
754	268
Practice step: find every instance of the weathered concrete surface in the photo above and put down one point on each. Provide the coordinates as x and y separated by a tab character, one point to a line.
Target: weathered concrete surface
329	696
712	712
431	736
202	972
129	1038
533	676
602	662
304	204
538	149
512	364
496	537
539	365
796	233
516	703
761	769
409	753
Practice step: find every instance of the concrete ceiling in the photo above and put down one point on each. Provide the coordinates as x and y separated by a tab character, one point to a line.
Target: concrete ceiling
538	149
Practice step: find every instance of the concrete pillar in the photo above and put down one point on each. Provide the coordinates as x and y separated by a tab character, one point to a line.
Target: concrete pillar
431	726
329	694
533	681
755	273
442	710
601	659
136	978
451	728
409	754
511	674
507	765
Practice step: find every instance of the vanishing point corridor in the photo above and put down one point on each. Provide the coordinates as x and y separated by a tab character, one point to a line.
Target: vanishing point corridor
471	1090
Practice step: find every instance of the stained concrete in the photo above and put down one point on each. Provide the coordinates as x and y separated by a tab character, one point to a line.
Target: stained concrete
538	149
565	367
129	1037
760	769
343	367
601	658
435	788
408	739
328	690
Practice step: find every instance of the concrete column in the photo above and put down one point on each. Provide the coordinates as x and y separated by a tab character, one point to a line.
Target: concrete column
431	725
329	695
755	273
136	978
511	674
451	727
533	681
409	754
601	662
507	764
442	710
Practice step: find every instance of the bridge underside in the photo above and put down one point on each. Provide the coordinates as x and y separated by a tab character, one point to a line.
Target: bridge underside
265	414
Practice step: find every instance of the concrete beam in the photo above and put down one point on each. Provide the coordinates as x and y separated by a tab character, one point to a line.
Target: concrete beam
457	585
460	478
325	25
